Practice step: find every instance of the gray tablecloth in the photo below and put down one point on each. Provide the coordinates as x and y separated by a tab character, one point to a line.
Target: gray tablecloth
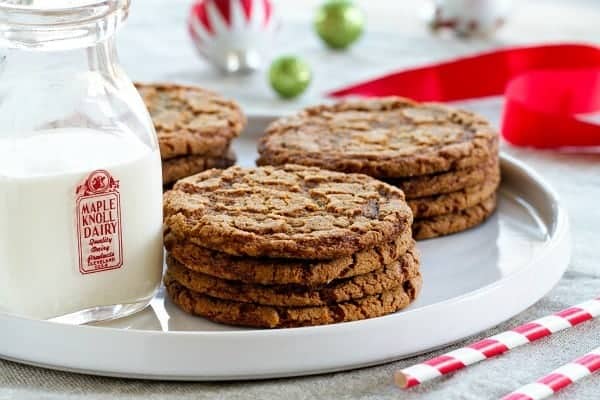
154	46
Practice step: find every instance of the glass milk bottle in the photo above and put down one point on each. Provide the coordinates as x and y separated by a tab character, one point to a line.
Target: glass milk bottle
80	173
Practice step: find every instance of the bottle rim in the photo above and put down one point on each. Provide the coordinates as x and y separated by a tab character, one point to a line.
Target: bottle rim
57	6
57	12
41	23
63	5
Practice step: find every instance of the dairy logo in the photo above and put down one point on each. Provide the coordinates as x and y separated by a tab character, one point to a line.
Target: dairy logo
99	228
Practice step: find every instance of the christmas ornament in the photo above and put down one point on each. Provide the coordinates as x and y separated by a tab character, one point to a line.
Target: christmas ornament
470	17
289	76
233	35
550	91
339	23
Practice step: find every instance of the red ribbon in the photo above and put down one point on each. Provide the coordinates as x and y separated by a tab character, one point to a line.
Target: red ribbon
546	88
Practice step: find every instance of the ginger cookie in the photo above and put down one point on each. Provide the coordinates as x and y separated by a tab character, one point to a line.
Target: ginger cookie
451	223
259	316
180	167
376	282
271	271
190	120
290	211
446	182
451	203
386	138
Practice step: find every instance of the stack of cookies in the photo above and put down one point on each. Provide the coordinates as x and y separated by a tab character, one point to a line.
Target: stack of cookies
288	246
195	128
445	160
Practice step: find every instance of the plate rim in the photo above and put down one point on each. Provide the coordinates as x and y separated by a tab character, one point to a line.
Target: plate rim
558	239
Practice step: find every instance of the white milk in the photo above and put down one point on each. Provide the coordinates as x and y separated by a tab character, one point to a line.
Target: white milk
54	243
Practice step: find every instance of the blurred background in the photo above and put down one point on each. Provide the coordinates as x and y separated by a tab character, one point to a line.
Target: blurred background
155	44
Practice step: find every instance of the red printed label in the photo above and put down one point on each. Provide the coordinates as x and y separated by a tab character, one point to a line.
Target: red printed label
99	231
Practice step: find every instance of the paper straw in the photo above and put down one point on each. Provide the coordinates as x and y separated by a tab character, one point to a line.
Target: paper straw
497	344
559	378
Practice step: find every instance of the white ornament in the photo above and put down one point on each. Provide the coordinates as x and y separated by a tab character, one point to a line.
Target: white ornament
471	17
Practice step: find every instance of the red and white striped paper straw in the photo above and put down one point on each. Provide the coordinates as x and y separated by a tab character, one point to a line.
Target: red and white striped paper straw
497	344
558	379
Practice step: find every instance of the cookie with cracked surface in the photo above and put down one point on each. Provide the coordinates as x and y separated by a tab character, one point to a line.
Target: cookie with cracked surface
376	282
190	120
452	223
271	271
451	203
174	169
446	182
259	316
386	138
290	211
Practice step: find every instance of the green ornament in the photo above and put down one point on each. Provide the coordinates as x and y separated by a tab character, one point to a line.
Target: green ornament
339	23
289	76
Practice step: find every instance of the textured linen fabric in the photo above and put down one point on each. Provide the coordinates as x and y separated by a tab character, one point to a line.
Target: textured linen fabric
156	34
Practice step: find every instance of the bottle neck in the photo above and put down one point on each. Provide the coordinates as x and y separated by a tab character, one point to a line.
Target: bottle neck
51	89
100	59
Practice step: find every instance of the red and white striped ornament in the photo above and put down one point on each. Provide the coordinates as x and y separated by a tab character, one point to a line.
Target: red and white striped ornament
558	379
497	344
234	35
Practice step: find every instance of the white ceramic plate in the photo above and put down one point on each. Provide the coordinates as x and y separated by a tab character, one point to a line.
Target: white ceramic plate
472	281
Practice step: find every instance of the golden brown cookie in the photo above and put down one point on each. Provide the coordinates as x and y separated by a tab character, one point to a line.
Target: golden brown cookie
451	203
180	167
376	282
272	271
446	182
190	120
253	315
290	211
451	223
386	138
